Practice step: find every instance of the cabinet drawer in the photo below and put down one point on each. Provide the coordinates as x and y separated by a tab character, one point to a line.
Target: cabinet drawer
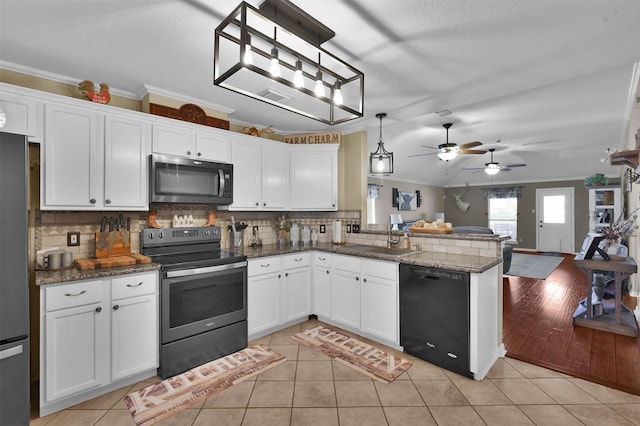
297	260
71	295
133	285
379	268
264	265
322	259
346	263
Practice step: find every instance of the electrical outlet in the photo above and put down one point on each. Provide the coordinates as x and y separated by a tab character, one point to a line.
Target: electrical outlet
323	229
255	230
348	229
73	239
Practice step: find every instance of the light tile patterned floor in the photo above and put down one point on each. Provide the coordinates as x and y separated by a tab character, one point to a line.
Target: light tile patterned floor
310	389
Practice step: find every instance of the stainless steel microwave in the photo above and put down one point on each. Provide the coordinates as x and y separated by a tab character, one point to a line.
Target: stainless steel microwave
183	180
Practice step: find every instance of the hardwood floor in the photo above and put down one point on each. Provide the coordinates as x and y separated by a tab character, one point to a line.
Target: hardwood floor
538	329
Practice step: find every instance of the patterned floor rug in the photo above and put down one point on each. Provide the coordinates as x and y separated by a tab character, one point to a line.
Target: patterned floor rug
533	265
163	399
368	359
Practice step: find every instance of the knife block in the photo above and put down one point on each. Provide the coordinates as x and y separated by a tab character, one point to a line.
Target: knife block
117	250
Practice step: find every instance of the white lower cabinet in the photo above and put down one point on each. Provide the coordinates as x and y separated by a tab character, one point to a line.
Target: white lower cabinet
96	334
379	314
345	291
321	285
297	285
263	294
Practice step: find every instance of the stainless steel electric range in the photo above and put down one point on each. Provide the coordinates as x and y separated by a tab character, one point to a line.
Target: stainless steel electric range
203	296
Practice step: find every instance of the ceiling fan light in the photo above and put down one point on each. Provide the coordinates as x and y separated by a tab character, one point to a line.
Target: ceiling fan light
448	154
492	168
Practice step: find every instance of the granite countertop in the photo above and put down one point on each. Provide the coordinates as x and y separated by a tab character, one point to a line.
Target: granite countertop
454	262
73	274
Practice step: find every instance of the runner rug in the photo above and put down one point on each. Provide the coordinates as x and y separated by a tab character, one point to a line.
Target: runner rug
361	356
163	399
533	265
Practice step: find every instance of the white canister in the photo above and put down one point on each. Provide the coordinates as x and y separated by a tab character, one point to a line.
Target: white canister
306	235
294	234
337	231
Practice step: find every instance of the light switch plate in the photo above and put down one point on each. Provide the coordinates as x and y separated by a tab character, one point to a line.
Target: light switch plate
323	229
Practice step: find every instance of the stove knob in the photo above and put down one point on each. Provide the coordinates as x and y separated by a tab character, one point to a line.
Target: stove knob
160	235
150	236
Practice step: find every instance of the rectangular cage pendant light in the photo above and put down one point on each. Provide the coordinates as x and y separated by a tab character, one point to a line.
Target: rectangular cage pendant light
273	54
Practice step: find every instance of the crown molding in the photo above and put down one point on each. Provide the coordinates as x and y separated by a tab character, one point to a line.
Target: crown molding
146	89
46	75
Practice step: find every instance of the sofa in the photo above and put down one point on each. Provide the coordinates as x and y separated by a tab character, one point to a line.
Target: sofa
507	250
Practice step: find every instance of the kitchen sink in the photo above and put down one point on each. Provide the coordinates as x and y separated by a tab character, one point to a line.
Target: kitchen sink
390	251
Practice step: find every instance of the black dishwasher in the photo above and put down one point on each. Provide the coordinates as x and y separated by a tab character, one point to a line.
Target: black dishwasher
434	316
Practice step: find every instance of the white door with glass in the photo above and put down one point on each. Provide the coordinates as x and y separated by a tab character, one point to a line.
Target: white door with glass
554	216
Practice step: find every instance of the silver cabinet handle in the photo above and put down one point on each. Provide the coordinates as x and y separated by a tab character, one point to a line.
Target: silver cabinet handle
116	307
107	201
265	266
297	260
188	152
75	295
134	285
199	154
357	278
92	201
99	309
322	258
327	271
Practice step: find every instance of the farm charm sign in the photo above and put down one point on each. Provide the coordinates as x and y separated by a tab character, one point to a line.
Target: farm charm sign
314	138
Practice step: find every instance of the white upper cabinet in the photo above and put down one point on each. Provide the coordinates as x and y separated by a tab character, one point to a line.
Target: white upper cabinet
182	140
126	144
314	177
22	114
93	161
260	173
72	159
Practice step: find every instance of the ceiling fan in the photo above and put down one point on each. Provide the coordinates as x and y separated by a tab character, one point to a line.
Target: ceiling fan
448	151
493	167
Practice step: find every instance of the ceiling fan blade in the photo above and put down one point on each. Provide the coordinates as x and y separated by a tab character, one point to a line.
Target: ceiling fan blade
419	155
472	151
430	147
472	168
470	145
514	165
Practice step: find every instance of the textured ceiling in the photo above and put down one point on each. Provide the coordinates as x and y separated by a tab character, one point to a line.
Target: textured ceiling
553	82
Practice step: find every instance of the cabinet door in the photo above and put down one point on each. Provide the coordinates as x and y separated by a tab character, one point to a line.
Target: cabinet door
134	335
263	302
22	116
345	298
380	307
297	284
76	350
321	292
275	178
126	146
247	172
314	180
213	147
173	140
72	159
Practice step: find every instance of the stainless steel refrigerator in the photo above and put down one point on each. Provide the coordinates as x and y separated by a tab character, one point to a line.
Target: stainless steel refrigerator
14	282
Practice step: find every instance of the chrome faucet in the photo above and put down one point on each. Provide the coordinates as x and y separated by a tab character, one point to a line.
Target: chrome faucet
391	241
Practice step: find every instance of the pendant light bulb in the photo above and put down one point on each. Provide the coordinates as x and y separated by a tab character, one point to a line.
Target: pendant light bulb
319	89
274	67
337	95
247	59
298	80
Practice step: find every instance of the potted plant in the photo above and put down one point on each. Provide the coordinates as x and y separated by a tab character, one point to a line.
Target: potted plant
281	225
596	180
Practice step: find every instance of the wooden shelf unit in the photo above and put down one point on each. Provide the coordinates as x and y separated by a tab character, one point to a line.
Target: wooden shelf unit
621	320
625	158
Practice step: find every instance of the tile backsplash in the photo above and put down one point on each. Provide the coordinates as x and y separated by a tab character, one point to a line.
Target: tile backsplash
51	227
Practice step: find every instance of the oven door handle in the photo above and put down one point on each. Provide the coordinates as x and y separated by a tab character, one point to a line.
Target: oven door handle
206	270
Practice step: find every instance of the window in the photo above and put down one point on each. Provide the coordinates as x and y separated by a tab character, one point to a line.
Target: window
503	217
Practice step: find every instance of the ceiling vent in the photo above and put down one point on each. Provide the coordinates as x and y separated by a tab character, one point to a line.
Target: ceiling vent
444	112
274	95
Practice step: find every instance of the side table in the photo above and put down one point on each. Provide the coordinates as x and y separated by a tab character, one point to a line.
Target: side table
620	320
